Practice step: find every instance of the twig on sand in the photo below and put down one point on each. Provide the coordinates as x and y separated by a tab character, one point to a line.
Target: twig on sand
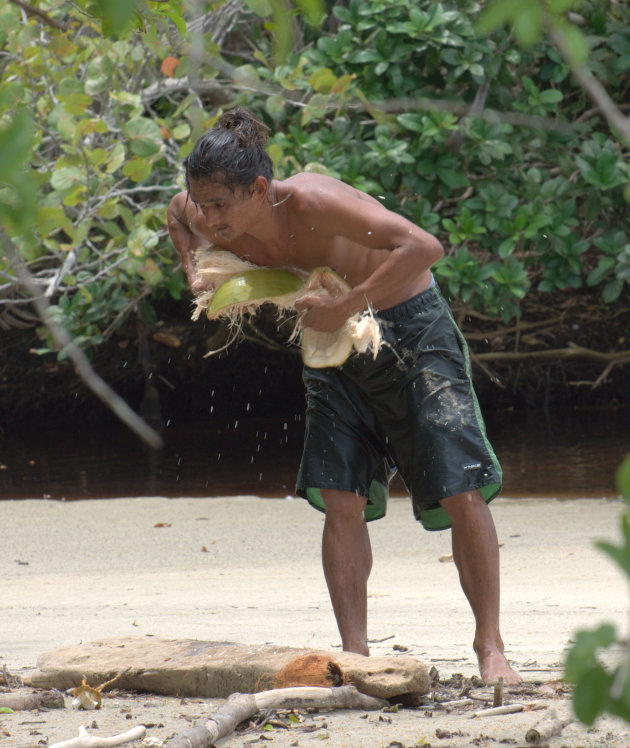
548	726
498	693
95	741
241	706
509	709
495	711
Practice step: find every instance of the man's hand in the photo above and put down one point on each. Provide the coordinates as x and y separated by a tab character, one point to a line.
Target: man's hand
322	313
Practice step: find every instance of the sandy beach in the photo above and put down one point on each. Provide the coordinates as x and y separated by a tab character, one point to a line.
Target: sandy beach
248	570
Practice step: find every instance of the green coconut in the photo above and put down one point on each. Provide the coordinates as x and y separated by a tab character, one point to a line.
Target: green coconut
261	285
244	290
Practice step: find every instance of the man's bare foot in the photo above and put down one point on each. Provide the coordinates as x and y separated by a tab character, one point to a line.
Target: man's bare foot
493	665
357	647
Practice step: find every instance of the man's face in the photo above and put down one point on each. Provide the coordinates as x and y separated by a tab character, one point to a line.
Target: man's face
229	213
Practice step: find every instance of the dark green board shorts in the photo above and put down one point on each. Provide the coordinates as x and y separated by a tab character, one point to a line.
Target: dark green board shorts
412	409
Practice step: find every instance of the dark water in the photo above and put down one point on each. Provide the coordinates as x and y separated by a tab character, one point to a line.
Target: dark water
557	453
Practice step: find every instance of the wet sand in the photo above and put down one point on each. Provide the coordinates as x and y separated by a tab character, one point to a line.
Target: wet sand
247	570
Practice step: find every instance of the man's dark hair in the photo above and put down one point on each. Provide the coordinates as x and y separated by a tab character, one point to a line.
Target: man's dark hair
231	152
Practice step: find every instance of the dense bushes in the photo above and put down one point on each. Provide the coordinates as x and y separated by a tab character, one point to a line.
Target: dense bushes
490	146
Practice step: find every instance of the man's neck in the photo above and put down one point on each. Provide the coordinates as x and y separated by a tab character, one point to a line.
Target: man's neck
273	227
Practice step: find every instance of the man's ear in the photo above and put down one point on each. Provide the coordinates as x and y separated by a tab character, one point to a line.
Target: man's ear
260	187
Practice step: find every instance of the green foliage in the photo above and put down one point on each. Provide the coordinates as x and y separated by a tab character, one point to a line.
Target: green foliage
377	96
524	202
600	688
88	211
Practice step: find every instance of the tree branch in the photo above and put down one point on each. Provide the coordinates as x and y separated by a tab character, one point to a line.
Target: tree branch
61	337
593	88
31	10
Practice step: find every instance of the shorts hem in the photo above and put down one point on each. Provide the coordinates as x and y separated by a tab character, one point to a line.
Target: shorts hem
376	498
436	518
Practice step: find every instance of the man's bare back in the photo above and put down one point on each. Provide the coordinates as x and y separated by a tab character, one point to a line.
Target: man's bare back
309	221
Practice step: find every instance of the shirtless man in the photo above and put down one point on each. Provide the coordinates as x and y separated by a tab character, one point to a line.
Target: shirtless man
366	417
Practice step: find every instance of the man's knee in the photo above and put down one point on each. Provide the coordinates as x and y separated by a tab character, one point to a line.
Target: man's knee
464	505
343	506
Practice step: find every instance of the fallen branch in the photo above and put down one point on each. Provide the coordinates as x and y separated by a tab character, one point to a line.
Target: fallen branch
548	726
95	741
241	706
27	702
572	351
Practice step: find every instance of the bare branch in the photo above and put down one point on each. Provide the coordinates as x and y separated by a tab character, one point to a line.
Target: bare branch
31	10
614	116
98	386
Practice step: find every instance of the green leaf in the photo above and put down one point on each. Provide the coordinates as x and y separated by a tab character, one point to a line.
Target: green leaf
137	169
313	11
16	141
622	478
145	136
612	290
581	658
590	694
116	158
528	25
413	122
551	96
67	177
261	8
322	80
576	43
116	14
6	709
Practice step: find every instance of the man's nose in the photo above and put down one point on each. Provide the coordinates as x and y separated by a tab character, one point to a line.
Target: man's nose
211	216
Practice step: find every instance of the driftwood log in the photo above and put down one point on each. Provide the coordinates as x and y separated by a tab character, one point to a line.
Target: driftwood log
548	726
26	702
241	706
95	741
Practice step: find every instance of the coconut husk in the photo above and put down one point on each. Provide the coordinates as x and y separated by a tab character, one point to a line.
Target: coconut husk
311	670
319	349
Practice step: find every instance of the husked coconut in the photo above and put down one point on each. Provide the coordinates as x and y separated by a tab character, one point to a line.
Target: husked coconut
241	287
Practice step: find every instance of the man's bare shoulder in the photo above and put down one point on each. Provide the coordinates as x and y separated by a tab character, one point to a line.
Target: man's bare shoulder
311	191
177	206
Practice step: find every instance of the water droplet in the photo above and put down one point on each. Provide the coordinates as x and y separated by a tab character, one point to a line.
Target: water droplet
369	233
235	424
247	407
285	426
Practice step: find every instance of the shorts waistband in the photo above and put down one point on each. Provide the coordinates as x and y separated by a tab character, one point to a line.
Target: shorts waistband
406	309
